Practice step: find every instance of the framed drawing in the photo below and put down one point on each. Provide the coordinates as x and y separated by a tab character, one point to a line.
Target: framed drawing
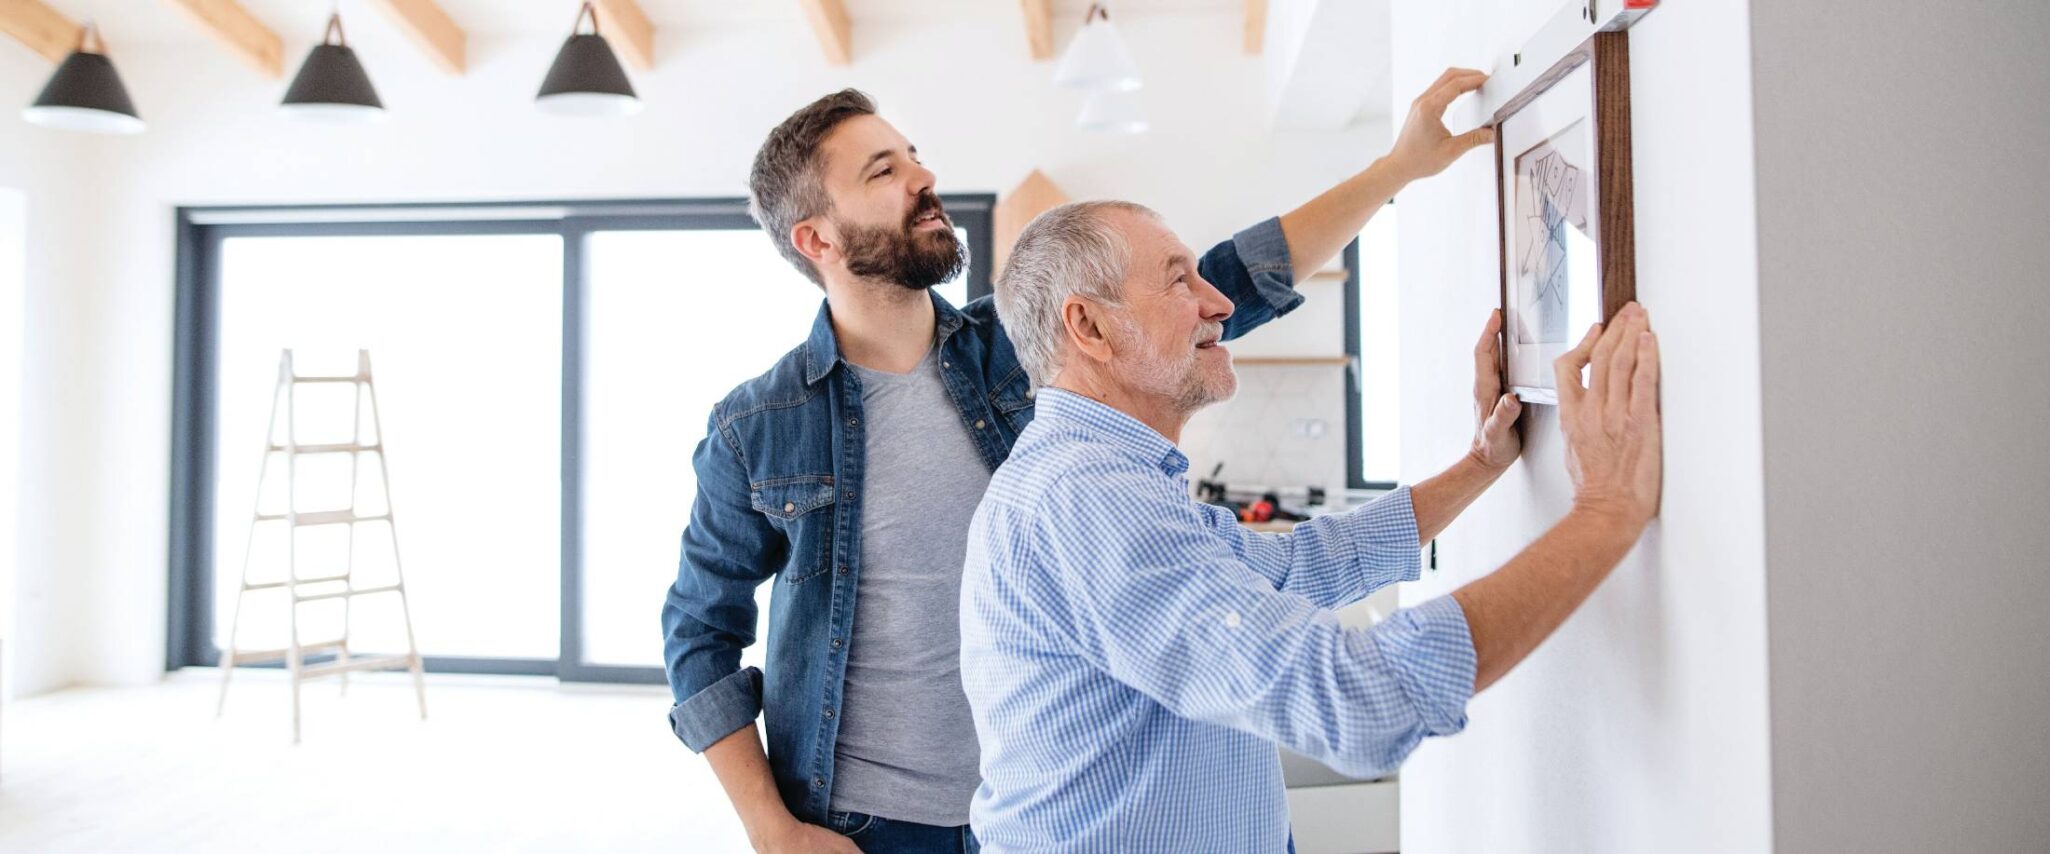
1562	190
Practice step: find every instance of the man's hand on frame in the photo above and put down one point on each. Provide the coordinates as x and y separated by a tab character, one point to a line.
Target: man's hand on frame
1495	440
1425	147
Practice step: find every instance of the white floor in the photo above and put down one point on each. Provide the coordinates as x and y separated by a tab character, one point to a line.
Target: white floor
501	764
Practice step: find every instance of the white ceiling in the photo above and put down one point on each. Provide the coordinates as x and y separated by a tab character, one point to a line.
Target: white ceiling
300	21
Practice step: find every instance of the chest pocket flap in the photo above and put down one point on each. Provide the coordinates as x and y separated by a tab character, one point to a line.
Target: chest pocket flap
790	497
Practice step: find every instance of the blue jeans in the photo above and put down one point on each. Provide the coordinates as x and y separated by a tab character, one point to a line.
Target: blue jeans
889	836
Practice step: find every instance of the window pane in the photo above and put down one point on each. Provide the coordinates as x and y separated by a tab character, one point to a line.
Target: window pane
1380	414
465	336
676	319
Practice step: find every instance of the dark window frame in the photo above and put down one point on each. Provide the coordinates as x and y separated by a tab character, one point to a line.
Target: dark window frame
1355	426
200	231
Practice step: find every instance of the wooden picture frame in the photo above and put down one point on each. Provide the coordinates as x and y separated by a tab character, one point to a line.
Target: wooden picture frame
1563	209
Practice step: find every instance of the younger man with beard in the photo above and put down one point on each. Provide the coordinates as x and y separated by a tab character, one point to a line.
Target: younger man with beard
851	469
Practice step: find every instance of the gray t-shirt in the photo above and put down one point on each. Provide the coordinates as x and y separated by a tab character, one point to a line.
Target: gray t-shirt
907	743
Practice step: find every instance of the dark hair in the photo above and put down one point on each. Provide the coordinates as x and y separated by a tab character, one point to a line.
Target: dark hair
784	186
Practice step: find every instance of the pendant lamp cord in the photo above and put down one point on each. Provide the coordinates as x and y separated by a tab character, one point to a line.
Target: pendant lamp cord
90	35
586	9
334	30
1096	10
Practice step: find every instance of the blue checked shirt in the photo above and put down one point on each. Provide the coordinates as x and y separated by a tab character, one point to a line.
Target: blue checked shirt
1132	656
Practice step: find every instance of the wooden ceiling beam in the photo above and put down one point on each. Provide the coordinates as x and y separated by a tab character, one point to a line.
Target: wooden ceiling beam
1256	26
625	25
1038	27
40	28
430	28
828	19
240	32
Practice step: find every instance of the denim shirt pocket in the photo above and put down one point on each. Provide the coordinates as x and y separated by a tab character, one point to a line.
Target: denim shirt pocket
1012	396
795	505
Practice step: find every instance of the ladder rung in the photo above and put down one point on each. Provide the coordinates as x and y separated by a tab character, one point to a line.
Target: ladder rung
261	655
389	588
271	585
355	378
331	448
323	517
372	662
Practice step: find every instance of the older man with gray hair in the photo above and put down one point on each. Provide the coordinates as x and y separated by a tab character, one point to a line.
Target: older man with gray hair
1131	656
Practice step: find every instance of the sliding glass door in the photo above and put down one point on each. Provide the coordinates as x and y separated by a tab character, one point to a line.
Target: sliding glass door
464	335
675	319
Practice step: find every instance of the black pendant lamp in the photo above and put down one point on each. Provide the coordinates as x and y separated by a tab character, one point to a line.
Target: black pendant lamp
85	93
331	85
586	79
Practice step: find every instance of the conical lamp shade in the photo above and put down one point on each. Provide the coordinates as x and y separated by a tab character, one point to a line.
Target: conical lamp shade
1097	59
587	80
1112	112
331	85
85	94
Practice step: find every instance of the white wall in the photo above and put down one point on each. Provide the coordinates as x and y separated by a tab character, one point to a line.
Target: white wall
1642	724
47	347
980	113
1904	208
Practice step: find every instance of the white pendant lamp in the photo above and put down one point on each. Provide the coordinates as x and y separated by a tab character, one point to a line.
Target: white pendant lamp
1097	59
1112	112
85	93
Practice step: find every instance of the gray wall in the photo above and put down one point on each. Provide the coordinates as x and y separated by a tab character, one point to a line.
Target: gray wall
1903	162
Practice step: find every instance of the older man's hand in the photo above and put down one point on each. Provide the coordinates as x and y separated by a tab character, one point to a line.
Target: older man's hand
1495	440
1613	445
1425	147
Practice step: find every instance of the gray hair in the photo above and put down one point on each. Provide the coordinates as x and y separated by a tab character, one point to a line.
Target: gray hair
1071	250
785	187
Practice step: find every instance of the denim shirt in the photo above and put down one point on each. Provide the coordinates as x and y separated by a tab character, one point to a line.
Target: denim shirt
779	480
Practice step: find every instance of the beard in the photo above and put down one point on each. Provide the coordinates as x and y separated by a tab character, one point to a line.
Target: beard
915	260
1180	376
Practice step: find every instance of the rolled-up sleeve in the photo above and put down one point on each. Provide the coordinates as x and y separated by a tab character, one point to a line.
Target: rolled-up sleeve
1336	559
1161	604
1431	650
703	718
1254	271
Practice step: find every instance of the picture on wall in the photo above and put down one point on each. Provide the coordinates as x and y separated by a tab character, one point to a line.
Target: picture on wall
1562	157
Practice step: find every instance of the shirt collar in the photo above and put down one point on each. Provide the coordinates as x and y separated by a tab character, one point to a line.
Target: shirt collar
1060	406
822	348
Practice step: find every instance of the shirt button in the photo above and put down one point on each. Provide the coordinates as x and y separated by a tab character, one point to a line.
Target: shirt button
789	506
829	714
946	364
836	643
1231	620
818	782
1030	393
853	421
843	569
978	424
850	495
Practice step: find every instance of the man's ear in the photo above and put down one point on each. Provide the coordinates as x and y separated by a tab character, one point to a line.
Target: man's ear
1087	324
816	240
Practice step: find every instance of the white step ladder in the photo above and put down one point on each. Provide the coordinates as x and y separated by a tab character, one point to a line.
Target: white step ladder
326	587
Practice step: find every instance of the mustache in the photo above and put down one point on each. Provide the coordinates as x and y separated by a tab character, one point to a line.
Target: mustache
927	203
1210	332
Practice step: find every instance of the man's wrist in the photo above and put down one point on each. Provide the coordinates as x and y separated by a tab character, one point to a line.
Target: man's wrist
1609	519
762	829
1395	168
1476	459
